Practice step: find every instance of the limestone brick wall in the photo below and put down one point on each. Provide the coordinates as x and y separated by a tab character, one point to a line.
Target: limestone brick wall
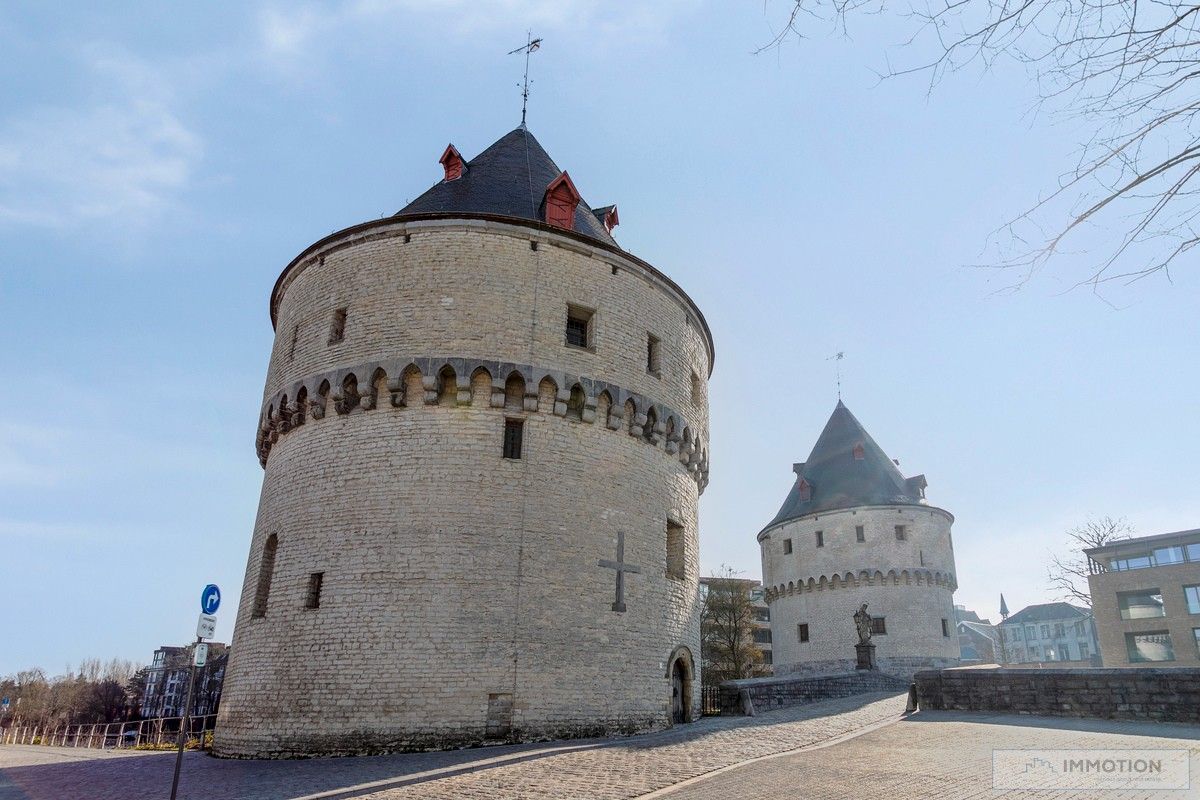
462	599
766	694
910	583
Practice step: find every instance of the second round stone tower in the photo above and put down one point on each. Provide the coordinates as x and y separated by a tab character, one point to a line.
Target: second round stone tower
484	435
854	530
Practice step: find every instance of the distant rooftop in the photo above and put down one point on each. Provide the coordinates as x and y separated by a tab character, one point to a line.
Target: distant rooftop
1047	612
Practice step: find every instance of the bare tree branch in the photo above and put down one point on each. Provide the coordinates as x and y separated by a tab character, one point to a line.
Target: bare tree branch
1127	66
1068	572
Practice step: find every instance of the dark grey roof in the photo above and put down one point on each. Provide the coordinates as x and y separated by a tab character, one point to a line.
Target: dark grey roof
507	179
837	480
1047	612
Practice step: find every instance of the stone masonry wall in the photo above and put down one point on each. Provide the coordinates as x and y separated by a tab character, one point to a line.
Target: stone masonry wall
462	598
768	693
1167	695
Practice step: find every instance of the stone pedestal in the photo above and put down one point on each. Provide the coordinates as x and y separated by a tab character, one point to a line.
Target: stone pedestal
866	656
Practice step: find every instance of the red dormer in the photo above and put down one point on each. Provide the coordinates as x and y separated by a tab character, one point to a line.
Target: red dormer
608	217
859	452
560	202
805	489
453	163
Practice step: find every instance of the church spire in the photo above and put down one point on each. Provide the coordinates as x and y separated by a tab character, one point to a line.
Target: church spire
1003	607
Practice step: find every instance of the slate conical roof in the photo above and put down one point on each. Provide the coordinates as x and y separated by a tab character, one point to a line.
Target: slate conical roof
507	179
834	477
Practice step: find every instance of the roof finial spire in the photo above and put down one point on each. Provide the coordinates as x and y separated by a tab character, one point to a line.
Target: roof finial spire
837	359
530	45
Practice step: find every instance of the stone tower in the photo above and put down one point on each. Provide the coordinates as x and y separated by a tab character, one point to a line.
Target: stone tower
853	530
484	434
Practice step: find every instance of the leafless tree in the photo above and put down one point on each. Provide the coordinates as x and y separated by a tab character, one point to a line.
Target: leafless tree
727	645
1124	66
1068	573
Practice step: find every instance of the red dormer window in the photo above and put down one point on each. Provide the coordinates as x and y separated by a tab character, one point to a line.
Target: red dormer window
805	490
561	200
452	162
859	452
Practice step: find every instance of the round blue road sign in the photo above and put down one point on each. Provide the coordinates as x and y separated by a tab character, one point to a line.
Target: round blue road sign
210	599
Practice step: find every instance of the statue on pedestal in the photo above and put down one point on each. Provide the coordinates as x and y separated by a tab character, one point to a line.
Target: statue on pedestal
864	650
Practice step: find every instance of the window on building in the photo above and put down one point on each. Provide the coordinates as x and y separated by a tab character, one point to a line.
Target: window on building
676	551
1045	631
1030	633
292	346
1192	595
1131	562
762	614
1017	632
653	355
579	323
1141	604
802	631
921	557
266	568
514	434
337	328
1058	630
1192	551
787	547
860	535
820	538
697	389
1084	655
1168	555
878	626
767	657
1035	653
313	598
901	533
1149	646
1079	628
859	452
762	635
945	627
1196	637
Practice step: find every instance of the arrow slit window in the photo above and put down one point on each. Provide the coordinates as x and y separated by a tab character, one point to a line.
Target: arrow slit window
266	569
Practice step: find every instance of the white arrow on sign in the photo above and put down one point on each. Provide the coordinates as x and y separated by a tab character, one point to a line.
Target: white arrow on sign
206	628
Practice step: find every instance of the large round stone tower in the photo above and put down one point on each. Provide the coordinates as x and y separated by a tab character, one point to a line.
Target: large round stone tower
484	434
853	530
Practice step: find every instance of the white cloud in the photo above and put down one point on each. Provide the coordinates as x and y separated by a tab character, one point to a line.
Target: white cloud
123	155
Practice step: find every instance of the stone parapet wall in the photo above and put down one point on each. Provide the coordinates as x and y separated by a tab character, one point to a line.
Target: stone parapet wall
765	694
900	667
1166	695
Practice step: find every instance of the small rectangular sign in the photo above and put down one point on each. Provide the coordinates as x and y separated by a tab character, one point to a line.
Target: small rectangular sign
206	628
201	654
1090	770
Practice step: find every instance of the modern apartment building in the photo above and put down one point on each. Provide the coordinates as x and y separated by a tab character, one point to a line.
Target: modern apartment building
1146	600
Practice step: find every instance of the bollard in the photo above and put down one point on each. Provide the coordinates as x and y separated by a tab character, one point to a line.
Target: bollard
912	699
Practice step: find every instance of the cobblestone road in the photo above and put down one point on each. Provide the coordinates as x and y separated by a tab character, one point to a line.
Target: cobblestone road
853	746
941	755
619	768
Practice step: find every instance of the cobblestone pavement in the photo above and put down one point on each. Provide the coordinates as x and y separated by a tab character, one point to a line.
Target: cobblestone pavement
934	755
601	769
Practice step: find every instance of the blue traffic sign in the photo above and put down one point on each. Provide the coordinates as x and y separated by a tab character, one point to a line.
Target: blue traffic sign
210	599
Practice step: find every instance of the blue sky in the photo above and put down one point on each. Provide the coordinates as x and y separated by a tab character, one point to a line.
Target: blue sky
160	164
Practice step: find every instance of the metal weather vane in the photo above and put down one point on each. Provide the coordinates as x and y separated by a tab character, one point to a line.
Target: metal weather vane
530	46
837	359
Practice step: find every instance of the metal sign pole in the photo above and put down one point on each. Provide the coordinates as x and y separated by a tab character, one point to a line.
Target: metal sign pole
183	723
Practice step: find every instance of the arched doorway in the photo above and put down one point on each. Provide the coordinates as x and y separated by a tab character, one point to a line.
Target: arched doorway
680	672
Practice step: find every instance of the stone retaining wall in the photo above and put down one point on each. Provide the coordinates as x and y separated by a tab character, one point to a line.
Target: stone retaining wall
765	694
1168	695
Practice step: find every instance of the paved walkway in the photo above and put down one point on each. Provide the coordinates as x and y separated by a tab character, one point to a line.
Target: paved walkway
610	768
856	746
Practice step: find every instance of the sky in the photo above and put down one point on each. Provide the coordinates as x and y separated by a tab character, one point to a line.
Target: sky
161	163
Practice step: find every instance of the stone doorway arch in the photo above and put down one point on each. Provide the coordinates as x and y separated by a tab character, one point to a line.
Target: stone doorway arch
681	675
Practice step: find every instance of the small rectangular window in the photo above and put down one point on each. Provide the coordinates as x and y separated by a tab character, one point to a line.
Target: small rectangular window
337	329
579	332
945	628
313	598
653	355
1141	604
292	346
878	626
1149	646
787	547
802	631
860	535
676	551
1045	631
1192	595
514	433
1083	651
901	533
820	538
697	389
